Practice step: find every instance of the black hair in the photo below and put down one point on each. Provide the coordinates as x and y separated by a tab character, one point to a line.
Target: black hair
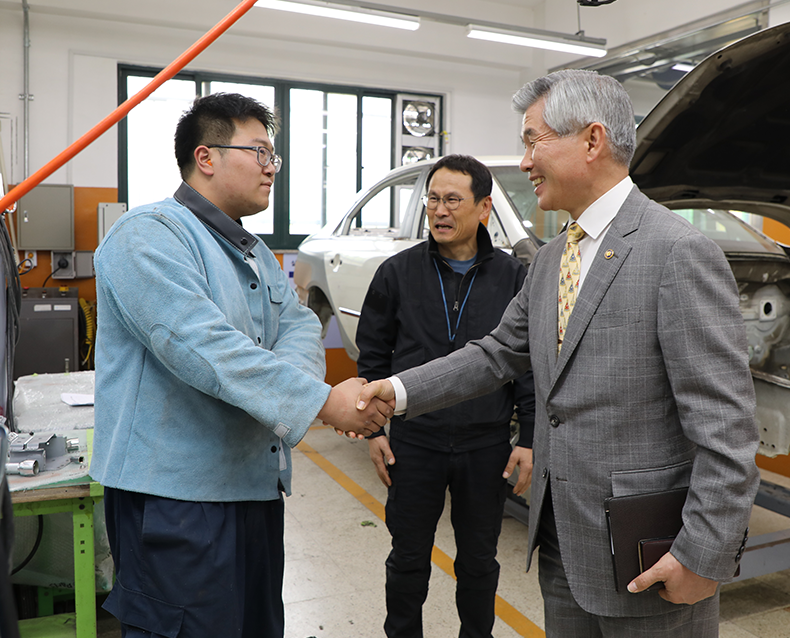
482	181
212	120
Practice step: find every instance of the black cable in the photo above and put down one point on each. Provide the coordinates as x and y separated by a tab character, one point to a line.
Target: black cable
62	263
44	285
9	627
28	268
13	295
33	551
8	615
10	260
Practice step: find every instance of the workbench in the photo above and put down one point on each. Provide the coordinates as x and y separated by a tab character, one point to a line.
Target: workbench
79	499
39	408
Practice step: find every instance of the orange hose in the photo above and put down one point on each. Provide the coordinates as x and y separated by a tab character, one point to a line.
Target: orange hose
118	114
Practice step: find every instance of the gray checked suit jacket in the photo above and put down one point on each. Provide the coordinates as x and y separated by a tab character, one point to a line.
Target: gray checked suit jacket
652	391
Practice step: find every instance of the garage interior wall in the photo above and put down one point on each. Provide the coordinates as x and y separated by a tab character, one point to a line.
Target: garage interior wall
76	46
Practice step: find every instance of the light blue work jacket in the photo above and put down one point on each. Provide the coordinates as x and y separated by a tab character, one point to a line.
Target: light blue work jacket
207	368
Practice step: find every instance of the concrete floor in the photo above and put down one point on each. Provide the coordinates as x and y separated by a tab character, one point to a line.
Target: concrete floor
336	545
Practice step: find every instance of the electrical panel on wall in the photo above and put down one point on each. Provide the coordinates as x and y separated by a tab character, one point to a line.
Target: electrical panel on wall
419	128
45	218
107	214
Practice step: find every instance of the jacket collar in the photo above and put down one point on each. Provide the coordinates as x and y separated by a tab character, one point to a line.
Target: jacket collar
630	214
231	230
485	249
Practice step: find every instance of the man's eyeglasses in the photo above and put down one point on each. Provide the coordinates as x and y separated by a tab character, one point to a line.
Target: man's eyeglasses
451	202
264	155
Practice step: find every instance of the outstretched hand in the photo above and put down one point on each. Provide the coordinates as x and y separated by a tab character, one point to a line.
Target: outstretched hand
382	389
681	585
342	411
373	395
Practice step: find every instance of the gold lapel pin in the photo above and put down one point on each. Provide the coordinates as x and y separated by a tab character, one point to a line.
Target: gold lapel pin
608	254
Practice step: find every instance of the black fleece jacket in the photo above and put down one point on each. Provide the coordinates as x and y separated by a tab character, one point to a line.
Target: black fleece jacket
403	324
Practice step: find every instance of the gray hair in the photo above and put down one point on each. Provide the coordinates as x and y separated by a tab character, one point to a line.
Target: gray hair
575	99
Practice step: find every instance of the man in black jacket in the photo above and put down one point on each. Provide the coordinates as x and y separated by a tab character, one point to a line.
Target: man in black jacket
422	304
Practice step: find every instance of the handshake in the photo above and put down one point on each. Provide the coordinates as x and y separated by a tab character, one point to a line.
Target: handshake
358	408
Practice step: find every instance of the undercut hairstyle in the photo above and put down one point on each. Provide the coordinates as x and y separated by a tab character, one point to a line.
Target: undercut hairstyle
481	176
574	99
212	120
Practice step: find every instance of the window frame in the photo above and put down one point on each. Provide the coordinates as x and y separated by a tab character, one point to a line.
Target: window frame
281	238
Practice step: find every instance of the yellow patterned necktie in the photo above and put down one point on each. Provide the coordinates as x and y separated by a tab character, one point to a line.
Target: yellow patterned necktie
570	269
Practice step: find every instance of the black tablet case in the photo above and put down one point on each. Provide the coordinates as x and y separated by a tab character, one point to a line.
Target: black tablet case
655	516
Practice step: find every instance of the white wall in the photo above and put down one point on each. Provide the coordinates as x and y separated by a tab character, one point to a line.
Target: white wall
779	15
77	44
73	78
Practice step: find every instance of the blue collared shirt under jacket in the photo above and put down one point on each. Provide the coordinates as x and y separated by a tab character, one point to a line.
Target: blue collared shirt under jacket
208	370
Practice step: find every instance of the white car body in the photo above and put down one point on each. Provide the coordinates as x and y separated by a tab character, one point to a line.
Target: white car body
335	265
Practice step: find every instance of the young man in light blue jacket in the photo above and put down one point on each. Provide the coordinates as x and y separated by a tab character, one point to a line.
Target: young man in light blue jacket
208	372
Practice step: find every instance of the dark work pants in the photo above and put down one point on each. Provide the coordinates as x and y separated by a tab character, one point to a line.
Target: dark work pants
195	570
420	479
564	617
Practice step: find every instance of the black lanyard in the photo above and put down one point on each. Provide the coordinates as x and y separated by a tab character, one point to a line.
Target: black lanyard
450	333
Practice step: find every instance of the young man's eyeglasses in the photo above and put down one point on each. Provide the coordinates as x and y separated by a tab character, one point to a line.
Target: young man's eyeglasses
451	202
264	155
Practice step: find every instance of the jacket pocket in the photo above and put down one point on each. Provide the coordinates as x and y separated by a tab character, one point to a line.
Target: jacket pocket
616	318
654	479
275	296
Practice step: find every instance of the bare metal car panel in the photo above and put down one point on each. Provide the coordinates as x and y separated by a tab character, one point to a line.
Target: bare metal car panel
718	140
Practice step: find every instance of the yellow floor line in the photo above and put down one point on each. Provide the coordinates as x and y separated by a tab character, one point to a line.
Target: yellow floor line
522	625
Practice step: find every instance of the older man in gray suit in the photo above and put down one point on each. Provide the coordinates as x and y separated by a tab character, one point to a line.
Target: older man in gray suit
646	388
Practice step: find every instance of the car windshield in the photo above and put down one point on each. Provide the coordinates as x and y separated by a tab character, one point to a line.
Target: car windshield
545	224
732	234
724	227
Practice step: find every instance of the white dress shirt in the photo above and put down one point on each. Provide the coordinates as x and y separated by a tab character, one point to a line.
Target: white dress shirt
595	221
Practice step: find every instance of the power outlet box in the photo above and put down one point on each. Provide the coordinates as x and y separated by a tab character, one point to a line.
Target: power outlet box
83	264
63	265
78	264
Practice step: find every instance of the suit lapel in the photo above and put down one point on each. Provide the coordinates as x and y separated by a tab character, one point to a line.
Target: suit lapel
611	256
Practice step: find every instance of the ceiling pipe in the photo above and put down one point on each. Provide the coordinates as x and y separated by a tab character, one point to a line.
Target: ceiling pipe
26	97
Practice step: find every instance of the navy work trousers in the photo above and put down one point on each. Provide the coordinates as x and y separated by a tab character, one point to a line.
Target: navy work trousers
420	479
197	570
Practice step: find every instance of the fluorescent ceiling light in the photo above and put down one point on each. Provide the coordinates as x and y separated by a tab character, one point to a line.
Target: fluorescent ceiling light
685	68
340	12
566	44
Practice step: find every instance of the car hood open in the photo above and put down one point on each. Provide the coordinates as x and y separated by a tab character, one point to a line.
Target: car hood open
720	137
